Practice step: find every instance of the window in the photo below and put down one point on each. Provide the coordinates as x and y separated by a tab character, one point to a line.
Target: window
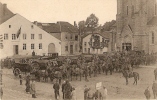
155	9
13	36
93	49
32	26
1	46
127	10
40	36
132	9
152	37
32	46
66	48
66	37
24	36
9	26
75	47
32	36
85	50
5	36
85	43
71	36
76	37
40	45
24	46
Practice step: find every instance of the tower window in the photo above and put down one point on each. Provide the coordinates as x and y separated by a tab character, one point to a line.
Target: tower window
127	10
32	26
152	37
9	26
155	9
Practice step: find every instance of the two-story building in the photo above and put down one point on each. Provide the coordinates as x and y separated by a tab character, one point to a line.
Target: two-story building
22	37
96	43
66	33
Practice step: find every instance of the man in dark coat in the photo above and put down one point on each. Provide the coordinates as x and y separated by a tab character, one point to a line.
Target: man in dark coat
86	89
68	90
63	91
147	93
56	89
28	83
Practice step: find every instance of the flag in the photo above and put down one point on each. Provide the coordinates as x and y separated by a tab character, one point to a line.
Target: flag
18	32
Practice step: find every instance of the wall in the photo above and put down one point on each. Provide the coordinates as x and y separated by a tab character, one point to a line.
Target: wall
68	42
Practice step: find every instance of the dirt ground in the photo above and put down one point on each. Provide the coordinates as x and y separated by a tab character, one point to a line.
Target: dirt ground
115	84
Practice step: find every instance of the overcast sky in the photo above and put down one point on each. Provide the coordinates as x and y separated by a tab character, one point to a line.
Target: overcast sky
63	10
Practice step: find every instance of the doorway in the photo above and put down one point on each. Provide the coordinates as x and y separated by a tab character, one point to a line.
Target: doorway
16	49
51	48
126	46
71	49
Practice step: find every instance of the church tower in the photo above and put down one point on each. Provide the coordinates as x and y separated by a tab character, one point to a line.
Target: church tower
132	18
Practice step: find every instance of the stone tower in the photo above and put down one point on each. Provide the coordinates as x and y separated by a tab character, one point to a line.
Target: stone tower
132	18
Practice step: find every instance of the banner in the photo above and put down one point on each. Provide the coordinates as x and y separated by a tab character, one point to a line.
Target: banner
98	85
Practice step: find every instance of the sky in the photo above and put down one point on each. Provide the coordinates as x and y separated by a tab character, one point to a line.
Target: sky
51	11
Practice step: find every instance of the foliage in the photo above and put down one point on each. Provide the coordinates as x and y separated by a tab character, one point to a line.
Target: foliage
92	22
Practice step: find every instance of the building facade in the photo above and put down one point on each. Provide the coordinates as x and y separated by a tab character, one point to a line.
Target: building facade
68	35
135	28
22	37
89	43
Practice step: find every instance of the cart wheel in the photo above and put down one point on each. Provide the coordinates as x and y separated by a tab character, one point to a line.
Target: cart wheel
16	71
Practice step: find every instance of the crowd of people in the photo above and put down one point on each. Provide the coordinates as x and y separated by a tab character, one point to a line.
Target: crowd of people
116	61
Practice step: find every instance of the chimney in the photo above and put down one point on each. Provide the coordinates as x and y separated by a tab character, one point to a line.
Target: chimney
4	8
75	24
35	22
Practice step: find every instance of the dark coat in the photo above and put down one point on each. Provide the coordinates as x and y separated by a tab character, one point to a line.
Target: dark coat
154	87
56	87
147	93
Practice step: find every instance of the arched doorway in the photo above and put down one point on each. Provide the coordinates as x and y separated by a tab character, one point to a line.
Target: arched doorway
51	48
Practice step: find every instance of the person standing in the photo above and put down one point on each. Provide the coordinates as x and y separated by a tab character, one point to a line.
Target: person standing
20	76
27	84
147	93
32	89
86	89
68	90
63	91
154	88
98	95
104	95
56	90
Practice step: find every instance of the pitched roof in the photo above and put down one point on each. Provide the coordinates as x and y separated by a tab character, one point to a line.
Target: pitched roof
58	27
56	35
104	34
153	21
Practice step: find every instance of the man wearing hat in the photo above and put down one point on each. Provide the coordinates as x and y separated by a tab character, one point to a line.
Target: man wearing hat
56	89
68	90
28	83
63	91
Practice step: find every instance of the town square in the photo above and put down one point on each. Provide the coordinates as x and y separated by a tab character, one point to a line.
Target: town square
78	50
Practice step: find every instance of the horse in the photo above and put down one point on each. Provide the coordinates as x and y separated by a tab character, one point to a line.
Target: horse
127	75
155	73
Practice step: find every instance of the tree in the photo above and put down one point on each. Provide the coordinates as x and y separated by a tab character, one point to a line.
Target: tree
107	26
81	26
92	22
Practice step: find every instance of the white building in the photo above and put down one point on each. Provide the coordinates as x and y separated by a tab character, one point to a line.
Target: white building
31	38
88	44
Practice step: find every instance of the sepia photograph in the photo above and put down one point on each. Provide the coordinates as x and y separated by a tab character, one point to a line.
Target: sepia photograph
78	49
